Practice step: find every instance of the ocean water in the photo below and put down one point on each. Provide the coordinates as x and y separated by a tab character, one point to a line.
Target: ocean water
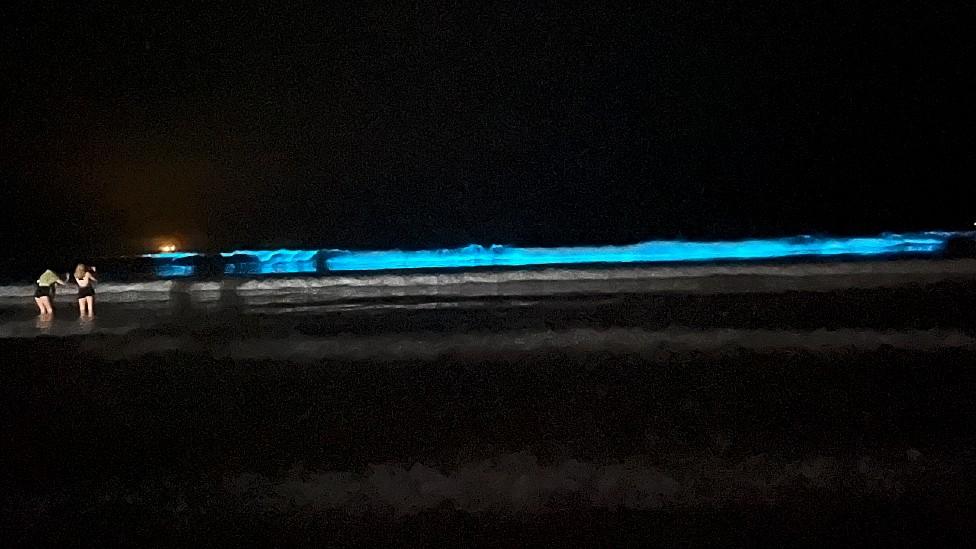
695	278
284	261
178	289
269	395
383	316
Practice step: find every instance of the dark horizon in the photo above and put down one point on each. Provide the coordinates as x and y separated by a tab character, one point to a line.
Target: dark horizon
427	126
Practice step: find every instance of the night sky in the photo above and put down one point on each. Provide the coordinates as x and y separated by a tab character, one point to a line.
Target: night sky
435	124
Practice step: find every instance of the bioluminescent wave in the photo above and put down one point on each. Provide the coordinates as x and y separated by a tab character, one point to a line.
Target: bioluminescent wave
270	261
175	271
311	261
645	252
173	255
174	264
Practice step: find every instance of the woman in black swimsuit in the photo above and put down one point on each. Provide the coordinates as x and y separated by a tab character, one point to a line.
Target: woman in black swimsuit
86	289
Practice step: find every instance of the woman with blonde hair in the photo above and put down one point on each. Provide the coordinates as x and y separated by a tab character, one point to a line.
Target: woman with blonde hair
86	288
44	291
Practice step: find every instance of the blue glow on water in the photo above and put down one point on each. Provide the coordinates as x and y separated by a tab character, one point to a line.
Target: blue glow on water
277	256
174	264
172	255
284	261
645	252
169	270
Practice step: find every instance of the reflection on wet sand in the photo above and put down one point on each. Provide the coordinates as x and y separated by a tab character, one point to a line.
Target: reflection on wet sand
43	323
86	323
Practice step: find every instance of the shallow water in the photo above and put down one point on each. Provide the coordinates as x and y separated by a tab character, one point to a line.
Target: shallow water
653	298
754	407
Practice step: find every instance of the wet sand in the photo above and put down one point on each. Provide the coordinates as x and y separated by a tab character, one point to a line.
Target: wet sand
560	443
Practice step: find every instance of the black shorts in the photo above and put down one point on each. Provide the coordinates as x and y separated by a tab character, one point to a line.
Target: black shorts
86	291
44	291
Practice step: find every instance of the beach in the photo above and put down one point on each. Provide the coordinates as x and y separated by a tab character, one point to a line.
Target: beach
689	416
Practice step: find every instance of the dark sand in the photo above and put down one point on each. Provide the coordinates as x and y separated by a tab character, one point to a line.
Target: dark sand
669	446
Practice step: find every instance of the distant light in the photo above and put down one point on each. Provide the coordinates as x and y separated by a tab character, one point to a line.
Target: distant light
167	248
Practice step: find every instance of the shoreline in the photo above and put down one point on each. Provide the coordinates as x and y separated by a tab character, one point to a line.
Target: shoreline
672	419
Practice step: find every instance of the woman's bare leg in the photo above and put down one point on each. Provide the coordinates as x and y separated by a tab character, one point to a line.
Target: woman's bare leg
87	303
40	305
45	304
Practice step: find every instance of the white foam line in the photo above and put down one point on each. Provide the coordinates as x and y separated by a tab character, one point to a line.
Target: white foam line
686	278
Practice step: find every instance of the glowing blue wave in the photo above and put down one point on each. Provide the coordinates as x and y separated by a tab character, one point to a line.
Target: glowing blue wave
174	264
270	261
645	252
168	270
172	255
260	262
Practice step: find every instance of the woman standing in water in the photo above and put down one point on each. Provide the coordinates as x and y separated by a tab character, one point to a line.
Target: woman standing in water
44	292
86	289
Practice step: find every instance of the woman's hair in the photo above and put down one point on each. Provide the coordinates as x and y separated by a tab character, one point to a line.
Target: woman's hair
80	271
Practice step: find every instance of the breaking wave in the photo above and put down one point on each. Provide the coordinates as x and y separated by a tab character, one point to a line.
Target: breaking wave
284	261
534	282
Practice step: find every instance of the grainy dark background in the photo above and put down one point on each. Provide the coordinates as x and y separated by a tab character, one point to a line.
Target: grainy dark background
425	124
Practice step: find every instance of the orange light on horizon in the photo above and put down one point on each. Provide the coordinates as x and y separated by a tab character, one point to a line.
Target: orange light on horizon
167	248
